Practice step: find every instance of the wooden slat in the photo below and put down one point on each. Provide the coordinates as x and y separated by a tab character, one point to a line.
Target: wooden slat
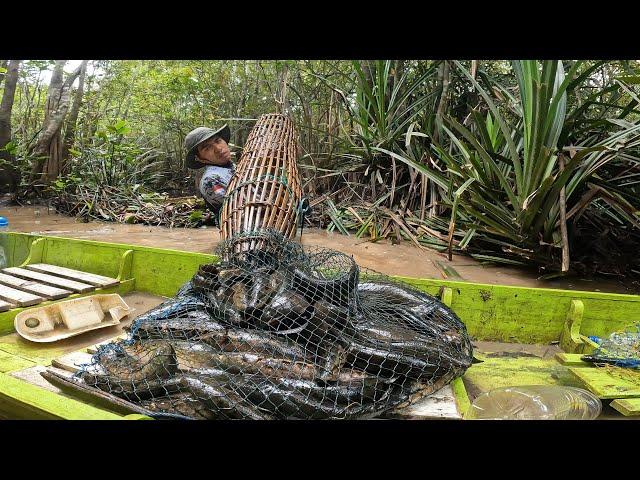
612	382
18	297
86	277
4	306
438	405
572	360
629	407
33	376
46	291
72	361
86	394
50	279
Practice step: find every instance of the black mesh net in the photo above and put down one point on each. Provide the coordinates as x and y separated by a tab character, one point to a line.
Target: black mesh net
277	330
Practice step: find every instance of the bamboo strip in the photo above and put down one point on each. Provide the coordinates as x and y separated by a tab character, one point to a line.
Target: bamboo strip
266	190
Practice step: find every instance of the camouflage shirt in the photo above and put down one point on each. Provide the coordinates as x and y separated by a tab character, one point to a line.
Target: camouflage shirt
214	182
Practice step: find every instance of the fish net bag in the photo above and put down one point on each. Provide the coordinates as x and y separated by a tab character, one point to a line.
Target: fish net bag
621	349
283	332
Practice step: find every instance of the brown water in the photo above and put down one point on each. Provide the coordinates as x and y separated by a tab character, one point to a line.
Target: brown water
403	259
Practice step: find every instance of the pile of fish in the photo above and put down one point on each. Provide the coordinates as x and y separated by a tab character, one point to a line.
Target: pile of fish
286	333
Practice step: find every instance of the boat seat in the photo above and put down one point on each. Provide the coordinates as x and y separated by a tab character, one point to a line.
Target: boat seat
40	282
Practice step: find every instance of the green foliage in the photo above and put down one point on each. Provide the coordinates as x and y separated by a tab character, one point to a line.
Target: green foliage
503	177
420	150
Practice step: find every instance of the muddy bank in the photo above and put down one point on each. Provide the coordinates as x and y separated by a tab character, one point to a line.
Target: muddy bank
404	259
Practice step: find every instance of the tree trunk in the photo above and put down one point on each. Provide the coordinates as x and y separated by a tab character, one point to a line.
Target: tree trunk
3	65
48	149
70	131
9	176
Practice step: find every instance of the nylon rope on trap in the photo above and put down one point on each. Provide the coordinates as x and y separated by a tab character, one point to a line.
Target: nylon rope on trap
265	192
284	332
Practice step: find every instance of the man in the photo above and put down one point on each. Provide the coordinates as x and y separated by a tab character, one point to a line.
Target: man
209	148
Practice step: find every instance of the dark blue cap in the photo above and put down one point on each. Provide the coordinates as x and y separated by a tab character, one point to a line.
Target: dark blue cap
3	222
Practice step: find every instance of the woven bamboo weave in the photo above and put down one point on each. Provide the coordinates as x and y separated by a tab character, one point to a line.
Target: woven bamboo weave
265	191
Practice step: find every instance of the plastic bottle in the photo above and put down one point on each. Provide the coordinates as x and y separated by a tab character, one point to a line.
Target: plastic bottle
536	402
4	227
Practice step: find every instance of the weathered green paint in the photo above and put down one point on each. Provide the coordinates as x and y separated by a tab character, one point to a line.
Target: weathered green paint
20	399
572	360
588	345
446	296
11	363
461	397
126	262
501	369
532	315
570	340
609	382
629	407
36	252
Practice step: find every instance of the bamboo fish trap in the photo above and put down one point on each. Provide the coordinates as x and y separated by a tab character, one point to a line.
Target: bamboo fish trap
264	194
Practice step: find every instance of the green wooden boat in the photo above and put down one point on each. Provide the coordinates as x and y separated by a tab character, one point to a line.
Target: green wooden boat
522	336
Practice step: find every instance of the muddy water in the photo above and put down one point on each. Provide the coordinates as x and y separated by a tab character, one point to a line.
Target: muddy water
404	259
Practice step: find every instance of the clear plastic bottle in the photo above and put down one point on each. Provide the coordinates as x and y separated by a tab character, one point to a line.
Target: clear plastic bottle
536	402
4	228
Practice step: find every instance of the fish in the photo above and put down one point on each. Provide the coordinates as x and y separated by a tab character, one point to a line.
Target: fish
287	310
381	360
412	308
179	405
254	341
338	291
133	371
183	328
296	398
225	402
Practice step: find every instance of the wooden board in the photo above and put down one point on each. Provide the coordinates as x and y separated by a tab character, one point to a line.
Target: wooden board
10	362
4	306
90	278
29	286
440	405
572	360
629	407
50	279
32	375
18	297
610	382
71	361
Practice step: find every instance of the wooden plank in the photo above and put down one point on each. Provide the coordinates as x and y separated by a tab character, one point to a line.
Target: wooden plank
29	286
72	361
572	360
629	407
10	362
19	399
89	395
33	376
18	297
609	382
50	279
570	340
86	277
439	405
4	306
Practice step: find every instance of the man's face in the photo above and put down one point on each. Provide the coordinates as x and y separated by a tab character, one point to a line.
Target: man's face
214	151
